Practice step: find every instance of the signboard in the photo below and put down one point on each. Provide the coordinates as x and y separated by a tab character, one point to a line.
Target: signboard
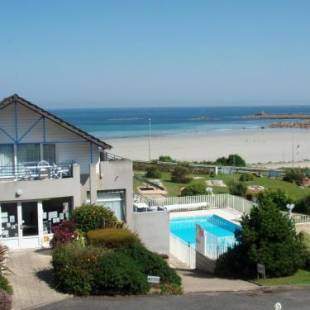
261	270
153	279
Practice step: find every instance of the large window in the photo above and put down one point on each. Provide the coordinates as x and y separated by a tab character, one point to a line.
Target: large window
49	153
29	152
114	200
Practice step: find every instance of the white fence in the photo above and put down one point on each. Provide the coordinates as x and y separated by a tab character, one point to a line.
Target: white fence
300	218
183	251
217	201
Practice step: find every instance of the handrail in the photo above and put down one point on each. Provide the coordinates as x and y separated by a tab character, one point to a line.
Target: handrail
110	157
33	171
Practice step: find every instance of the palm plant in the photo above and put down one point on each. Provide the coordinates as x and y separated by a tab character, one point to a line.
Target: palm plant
3	256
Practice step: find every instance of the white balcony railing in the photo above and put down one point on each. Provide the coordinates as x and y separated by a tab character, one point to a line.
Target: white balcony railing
36	171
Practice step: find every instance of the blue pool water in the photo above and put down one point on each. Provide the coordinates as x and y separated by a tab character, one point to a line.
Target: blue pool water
185	228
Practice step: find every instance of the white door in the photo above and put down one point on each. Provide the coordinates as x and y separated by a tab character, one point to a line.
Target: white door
28	225
19	227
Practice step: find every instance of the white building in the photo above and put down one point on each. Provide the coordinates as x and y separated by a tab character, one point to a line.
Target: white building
47	168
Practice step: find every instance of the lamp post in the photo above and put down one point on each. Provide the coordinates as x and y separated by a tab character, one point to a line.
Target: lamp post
149	139
290	207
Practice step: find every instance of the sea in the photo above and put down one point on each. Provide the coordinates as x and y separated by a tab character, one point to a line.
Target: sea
112	123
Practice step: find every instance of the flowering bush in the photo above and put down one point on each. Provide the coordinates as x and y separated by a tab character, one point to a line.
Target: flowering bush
63	233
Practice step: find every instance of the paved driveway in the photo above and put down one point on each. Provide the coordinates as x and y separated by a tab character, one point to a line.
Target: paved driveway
257	300
31	279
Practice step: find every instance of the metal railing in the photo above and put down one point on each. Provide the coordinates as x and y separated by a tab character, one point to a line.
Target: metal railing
36	171
105	156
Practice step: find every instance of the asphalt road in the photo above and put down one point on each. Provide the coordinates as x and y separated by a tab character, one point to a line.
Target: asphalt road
296	299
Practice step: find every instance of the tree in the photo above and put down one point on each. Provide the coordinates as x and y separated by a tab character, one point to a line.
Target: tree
231	160
180	175
267	237
238	189
194	189
235	160
278	197
166	158
153	172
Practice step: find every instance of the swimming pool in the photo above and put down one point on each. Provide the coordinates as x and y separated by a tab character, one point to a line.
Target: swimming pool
185	228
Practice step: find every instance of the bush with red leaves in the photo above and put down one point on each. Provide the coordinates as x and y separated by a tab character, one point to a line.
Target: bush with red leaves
63	233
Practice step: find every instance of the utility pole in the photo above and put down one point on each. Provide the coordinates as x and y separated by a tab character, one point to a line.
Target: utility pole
149	140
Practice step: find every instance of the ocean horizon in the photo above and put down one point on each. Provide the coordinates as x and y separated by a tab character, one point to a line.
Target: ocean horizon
111	123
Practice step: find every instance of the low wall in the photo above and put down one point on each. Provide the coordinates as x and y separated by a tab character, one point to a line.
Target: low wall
153	230
204	263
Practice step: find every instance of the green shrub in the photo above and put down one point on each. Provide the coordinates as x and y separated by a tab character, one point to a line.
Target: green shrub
180	174
5	300
89	217
238	189
111	237
5	285
278	197
153	173
194	189
151	263
170	289
117	273
74	267
294	175
166	158
267	237
232	160
303	205
246	177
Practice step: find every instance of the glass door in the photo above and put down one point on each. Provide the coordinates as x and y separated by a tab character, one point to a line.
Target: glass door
29	219
9	221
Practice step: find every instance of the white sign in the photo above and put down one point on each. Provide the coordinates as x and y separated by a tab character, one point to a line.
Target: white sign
153	279
261	270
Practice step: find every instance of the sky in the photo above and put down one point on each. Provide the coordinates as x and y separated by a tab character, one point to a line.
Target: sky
66	53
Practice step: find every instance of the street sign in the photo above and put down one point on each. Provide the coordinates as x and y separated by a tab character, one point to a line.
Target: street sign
153	279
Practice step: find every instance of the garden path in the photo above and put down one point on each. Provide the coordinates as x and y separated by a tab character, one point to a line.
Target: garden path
32	279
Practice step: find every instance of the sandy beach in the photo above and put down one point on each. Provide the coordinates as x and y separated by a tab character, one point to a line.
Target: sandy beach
261	146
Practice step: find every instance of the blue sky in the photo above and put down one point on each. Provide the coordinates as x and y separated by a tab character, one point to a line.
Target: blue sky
127	53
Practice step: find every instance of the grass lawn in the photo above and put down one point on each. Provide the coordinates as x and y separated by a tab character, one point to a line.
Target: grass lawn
174	189
301	277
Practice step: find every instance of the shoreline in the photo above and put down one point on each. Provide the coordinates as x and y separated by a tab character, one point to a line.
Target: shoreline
255	146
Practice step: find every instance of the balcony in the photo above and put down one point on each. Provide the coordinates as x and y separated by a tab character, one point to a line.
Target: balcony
35	182
36	171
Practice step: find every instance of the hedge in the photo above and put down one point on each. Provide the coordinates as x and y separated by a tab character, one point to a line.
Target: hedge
111	237
117	273
151	263
89	217
75	268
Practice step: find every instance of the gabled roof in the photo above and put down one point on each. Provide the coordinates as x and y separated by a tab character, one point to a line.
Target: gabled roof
16	99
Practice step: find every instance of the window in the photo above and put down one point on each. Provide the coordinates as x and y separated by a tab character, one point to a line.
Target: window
9	225
29	152
55	211
6	159
49	153
114	200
